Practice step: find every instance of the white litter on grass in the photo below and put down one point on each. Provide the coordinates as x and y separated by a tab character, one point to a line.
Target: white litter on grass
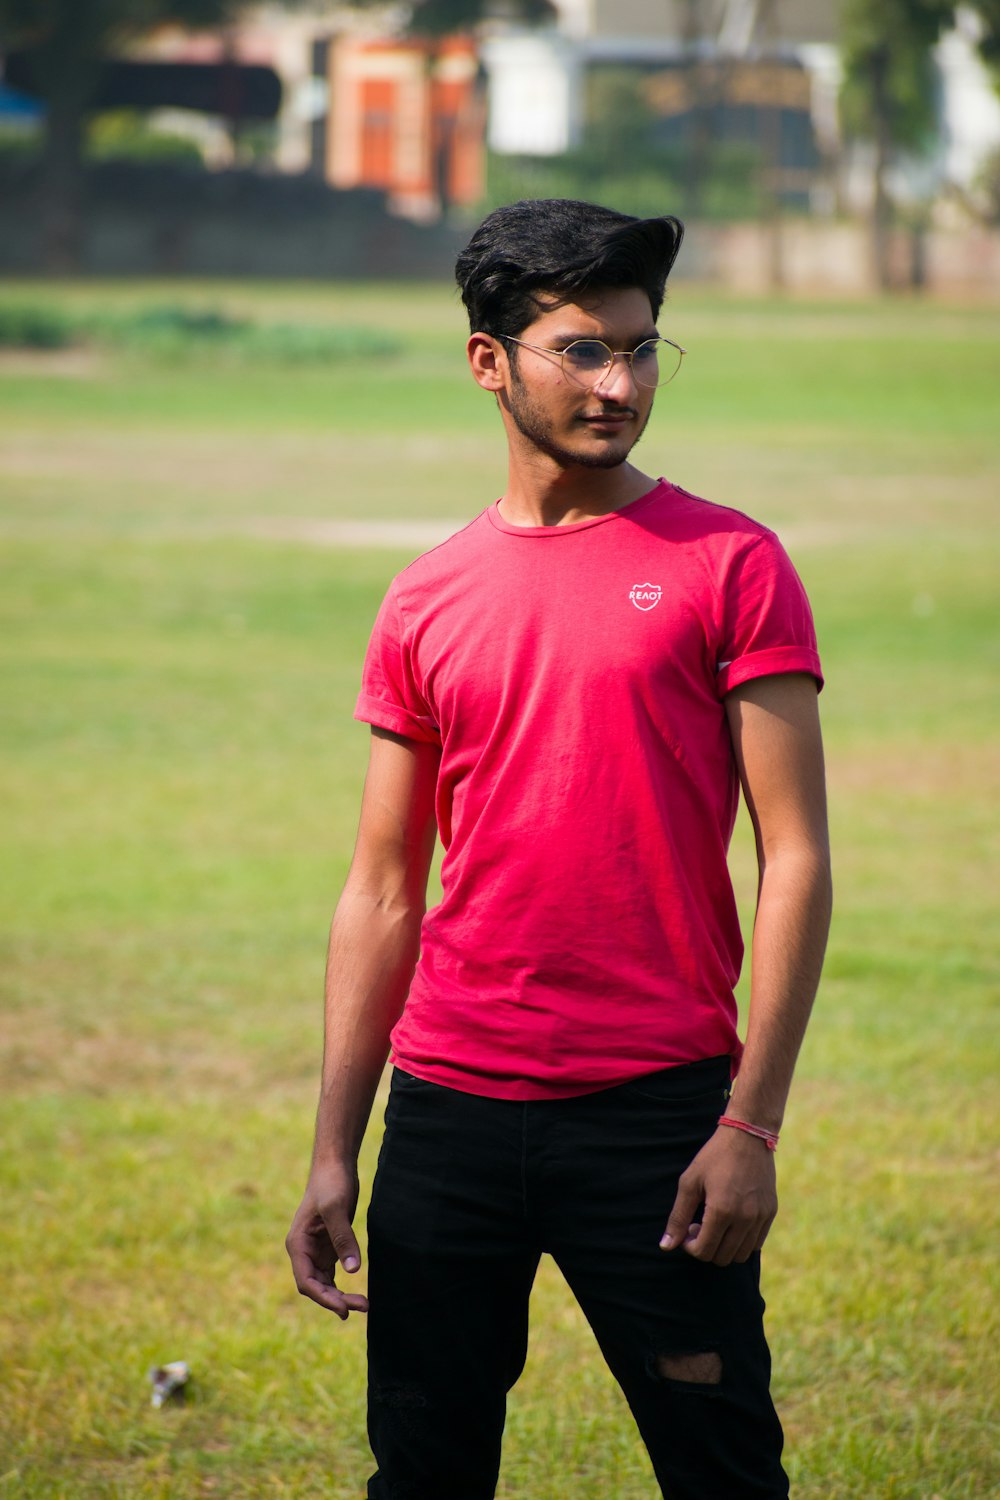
168	1379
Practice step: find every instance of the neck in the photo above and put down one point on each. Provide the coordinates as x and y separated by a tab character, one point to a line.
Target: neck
539	495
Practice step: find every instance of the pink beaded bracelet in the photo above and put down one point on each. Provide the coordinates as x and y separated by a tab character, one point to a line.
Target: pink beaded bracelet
767	1136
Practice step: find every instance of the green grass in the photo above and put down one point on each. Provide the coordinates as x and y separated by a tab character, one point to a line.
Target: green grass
180	775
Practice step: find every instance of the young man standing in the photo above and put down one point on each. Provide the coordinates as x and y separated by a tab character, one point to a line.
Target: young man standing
571	691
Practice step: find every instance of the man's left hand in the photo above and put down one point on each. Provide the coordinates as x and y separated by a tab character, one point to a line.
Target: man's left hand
733	1177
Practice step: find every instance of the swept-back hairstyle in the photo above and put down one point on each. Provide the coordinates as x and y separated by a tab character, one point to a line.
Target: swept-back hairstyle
562	246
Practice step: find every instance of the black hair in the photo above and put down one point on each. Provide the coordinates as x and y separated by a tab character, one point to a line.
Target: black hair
562	246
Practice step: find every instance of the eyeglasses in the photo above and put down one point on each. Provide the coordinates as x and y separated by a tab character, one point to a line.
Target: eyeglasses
587	361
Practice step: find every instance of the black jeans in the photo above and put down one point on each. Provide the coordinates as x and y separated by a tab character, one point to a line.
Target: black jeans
468	1194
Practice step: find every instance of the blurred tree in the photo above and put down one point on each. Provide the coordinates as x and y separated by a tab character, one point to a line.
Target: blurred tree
620	121
988	12
888	94
66	43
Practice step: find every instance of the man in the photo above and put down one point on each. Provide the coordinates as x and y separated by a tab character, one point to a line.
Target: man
570	690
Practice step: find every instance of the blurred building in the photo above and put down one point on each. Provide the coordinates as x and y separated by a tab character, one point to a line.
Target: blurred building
408	116
269	36
970	109
746	70
361	107
364	105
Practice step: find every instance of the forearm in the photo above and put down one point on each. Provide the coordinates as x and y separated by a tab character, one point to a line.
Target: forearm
779	752
789	940
374	941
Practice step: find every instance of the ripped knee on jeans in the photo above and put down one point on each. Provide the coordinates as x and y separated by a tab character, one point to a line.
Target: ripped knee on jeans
689	1369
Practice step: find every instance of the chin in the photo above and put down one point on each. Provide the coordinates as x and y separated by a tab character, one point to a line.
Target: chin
601	460
607	454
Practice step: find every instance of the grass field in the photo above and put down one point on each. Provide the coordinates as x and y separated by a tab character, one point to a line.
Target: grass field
182	630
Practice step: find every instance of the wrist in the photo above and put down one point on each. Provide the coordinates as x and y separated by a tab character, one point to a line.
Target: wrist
768	1138
332	1157
756	1106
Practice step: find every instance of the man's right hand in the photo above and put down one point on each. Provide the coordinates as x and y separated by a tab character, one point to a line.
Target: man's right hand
321	1235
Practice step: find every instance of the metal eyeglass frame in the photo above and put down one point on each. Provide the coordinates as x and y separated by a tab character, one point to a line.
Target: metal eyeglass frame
627	354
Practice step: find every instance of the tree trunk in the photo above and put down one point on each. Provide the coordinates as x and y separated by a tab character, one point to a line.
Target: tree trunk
62	194
698	132
771	162
881	201
66	71
918	253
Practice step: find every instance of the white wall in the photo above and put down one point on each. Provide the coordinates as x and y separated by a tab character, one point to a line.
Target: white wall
535	83
971	106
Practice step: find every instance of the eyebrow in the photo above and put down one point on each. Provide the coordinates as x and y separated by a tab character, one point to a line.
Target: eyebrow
565	339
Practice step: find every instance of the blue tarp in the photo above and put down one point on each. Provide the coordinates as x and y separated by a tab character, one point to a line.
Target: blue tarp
19	108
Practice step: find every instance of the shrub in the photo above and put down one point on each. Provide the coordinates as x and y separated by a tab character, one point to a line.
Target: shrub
175	331
34	328
124	135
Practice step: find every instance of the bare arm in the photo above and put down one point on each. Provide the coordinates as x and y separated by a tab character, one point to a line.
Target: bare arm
374	941
774	723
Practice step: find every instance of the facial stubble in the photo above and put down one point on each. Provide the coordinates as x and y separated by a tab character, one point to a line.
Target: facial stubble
535	425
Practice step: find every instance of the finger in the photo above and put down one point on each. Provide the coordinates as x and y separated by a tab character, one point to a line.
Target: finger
329	1296
757	1233
313	1278
729	1246
682	1215
304	1268
705	1245
736	1243
752	1242
344	1242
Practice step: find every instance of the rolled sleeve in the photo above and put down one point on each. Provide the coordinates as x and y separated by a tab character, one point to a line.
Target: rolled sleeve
767	625
397	720
390	696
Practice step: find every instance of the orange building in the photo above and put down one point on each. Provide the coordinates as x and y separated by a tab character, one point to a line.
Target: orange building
409	116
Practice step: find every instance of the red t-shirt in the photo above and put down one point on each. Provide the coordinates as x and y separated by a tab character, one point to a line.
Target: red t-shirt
574	677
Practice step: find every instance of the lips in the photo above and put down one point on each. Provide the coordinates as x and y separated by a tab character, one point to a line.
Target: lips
610	418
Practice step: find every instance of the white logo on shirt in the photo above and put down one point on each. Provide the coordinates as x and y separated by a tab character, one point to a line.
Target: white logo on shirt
645	595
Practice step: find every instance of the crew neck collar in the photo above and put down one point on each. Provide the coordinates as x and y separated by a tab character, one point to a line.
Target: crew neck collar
622	514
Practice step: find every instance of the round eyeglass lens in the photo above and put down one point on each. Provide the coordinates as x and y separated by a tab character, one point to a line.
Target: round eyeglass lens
654	362
587	359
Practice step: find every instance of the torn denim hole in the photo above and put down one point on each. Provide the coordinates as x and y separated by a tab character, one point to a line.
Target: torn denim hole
698	1370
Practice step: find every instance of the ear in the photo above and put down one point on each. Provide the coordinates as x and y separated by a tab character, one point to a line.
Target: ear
488	361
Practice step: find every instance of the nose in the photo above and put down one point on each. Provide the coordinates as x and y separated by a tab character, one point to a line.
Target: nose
618	382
